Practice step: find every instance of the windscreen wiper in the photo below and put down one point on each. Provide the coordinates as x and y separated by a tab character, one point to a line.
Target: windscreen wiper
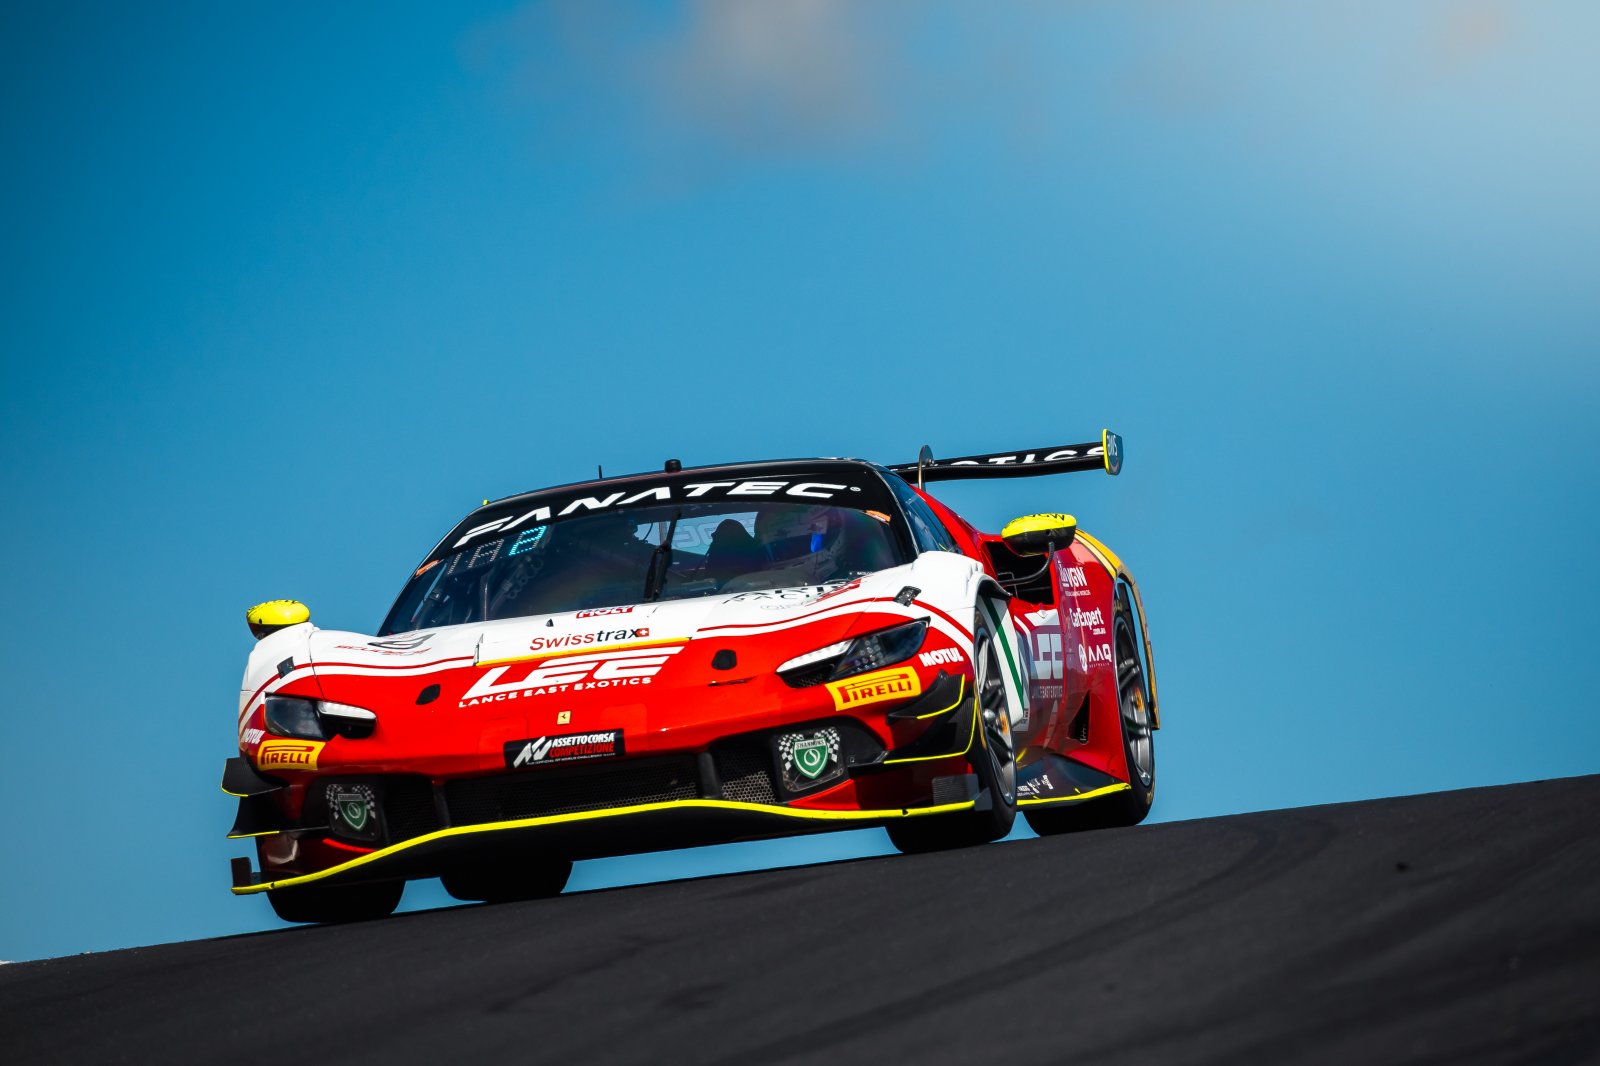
655	575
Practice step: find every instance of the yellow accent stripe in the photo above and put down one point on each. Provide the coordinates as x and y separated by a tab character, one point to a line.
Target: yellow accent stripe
615	812
1120	786
947	755
960	695
237	795
599	649
1108	558
263	833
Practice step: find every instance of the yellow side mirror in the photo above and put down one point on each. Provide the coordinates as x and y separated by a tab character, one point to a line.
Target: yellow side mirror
1033	534
274	615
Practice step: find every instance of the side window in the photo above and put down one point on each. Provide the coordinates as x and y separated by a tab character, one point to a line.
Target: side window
926	529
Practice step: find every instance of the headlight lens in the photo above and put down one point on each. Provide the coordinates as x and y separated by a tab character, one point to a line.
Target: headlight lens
850	657
292	716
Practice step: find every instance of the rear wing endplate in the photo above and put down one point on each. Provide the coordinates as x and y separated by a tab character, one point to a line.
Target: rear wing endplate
1103	454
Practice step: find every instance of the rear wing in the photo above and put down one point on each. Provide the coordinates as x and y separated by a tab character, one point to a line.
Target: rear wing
1103	454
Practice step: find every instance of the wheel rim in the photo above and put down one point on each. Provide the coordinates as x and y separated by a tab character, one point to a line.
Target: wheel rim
990	691
1135	711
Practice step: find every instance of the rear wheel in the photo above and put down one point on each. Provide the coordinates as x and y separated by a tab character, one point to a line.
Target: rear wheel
336	903
991	758
1130	805
508	879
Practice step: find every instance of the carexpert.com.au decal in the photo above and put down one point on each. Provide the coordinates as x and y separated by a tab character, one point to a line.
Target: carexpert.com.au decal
834	487
618	668
563	747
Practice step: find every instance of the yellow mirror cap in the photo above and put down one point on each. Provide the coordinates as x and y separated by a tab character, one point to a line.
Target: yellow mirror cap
1037	523
278	613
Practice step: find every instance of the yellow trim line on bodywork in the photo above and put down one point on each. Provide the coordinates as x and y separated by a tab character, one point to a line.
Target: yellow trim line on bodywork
971	736
961	694
615	812
1108	558
1120	786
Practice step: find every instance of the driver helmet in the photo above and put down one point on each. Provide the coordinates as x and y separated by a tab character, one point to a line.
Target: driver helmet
788	532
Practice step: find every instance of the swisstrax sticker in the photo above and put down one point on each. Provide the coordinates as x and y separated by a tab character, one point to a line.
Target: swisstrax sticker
809	758
563	747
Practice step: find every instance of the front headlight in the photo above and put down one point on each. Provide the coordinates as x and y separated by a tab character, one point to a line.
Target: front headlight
850	657
293	716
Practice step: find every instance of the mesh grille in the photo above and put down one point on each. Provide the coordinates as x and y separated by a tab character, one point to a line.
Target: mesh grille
746	773
537	793
408	808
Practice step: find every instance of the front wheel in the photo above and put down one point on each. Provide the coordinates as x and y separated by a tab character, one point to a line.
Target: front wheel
336	903
991	758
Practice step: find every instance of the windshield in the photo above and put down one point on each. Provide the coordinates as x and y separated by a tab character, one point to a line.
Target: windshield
618	557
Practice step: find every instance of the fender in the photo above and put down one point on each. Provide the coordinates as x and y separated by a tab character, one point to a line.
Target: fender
993	602
1128	592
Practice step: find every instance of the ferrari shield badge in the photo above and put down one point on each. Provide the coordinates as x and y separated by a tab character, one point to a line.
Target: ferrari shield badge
809	758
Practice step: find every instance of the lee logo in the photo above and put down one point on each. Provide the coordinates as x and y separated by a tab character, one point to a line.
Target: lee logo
895	684
288	754
570	673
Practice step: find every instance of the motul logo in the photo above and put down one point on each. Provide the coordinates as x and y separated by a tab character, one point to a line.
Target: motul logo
941	655
572	673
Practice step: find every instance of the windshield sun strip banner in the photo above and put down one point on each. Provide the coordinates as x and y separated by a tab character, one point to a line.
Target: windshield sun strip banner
857	487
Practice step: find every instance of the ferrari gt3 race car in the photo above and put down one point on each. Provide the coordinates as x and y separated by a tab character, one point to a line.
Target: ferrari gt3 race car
697	656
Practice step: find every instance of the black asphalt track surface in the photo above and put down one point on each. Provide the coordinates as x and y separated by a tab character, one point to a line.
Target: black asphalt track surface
1453	927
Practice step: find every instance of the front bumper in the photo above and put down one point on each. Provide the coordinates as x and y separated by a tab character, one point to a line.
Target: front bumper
588	834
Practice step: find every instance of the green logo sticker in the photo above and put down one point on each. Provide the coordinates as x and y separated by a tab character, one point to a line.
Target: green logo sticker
353	809
811	755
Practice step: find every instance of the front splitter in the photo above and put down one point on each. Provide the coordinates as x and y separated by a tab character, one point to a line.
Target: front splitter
587	834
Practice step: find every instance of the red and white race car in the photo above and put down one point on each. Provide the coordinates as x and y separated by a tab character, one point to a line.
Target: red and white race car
697	656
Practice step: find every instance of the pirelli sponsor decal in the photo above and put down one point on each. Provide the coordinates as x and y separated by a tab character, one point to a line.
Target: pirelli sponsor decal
288	754
897	684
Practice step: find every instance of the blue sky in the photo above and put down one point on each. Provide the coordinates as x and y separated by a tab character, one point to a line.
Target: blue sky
287	291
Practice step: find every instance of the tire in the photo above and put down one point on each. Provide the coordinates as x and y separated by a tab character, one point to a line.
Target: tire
1128	806
991	758
508	880
336	903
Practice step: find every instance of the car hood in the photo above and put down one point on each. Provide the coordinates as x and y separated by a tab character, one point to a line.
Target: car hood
730	616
